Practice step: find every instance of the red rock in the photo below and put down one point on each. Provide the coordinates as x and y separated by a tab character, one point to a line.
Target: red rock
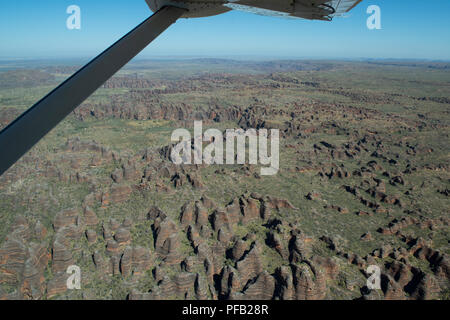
112	247
366	236
238	250
167	241
187	214
120	193
40	231
250	265
250	209
33	274
90	217
57	285
276	203
61	257
91	236
122	236
13	255
262	289
391	289
310	283
65	218
286	289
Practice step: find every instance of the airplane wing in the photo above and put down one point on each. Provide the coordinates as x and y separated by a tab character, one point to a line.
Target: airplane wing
343	6
306	9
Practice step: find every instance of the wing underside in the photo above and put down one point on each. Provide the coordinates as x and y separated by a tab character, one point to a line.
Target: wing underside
319	10
343	6
307	9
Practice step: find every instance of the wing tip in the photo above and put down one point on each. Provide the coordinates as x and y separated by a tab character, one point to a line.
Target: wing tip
354	5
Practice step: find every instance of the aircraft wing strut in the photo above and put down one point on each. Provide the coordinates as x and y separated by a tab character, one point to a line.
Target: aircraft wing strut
24	132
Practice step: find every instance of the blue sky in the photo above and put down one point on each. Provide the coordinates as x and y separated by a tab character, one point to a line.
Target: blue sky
414	29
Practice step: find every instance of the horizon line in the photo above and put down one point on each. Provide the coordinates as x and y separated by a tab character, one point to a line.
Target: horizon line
259	58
